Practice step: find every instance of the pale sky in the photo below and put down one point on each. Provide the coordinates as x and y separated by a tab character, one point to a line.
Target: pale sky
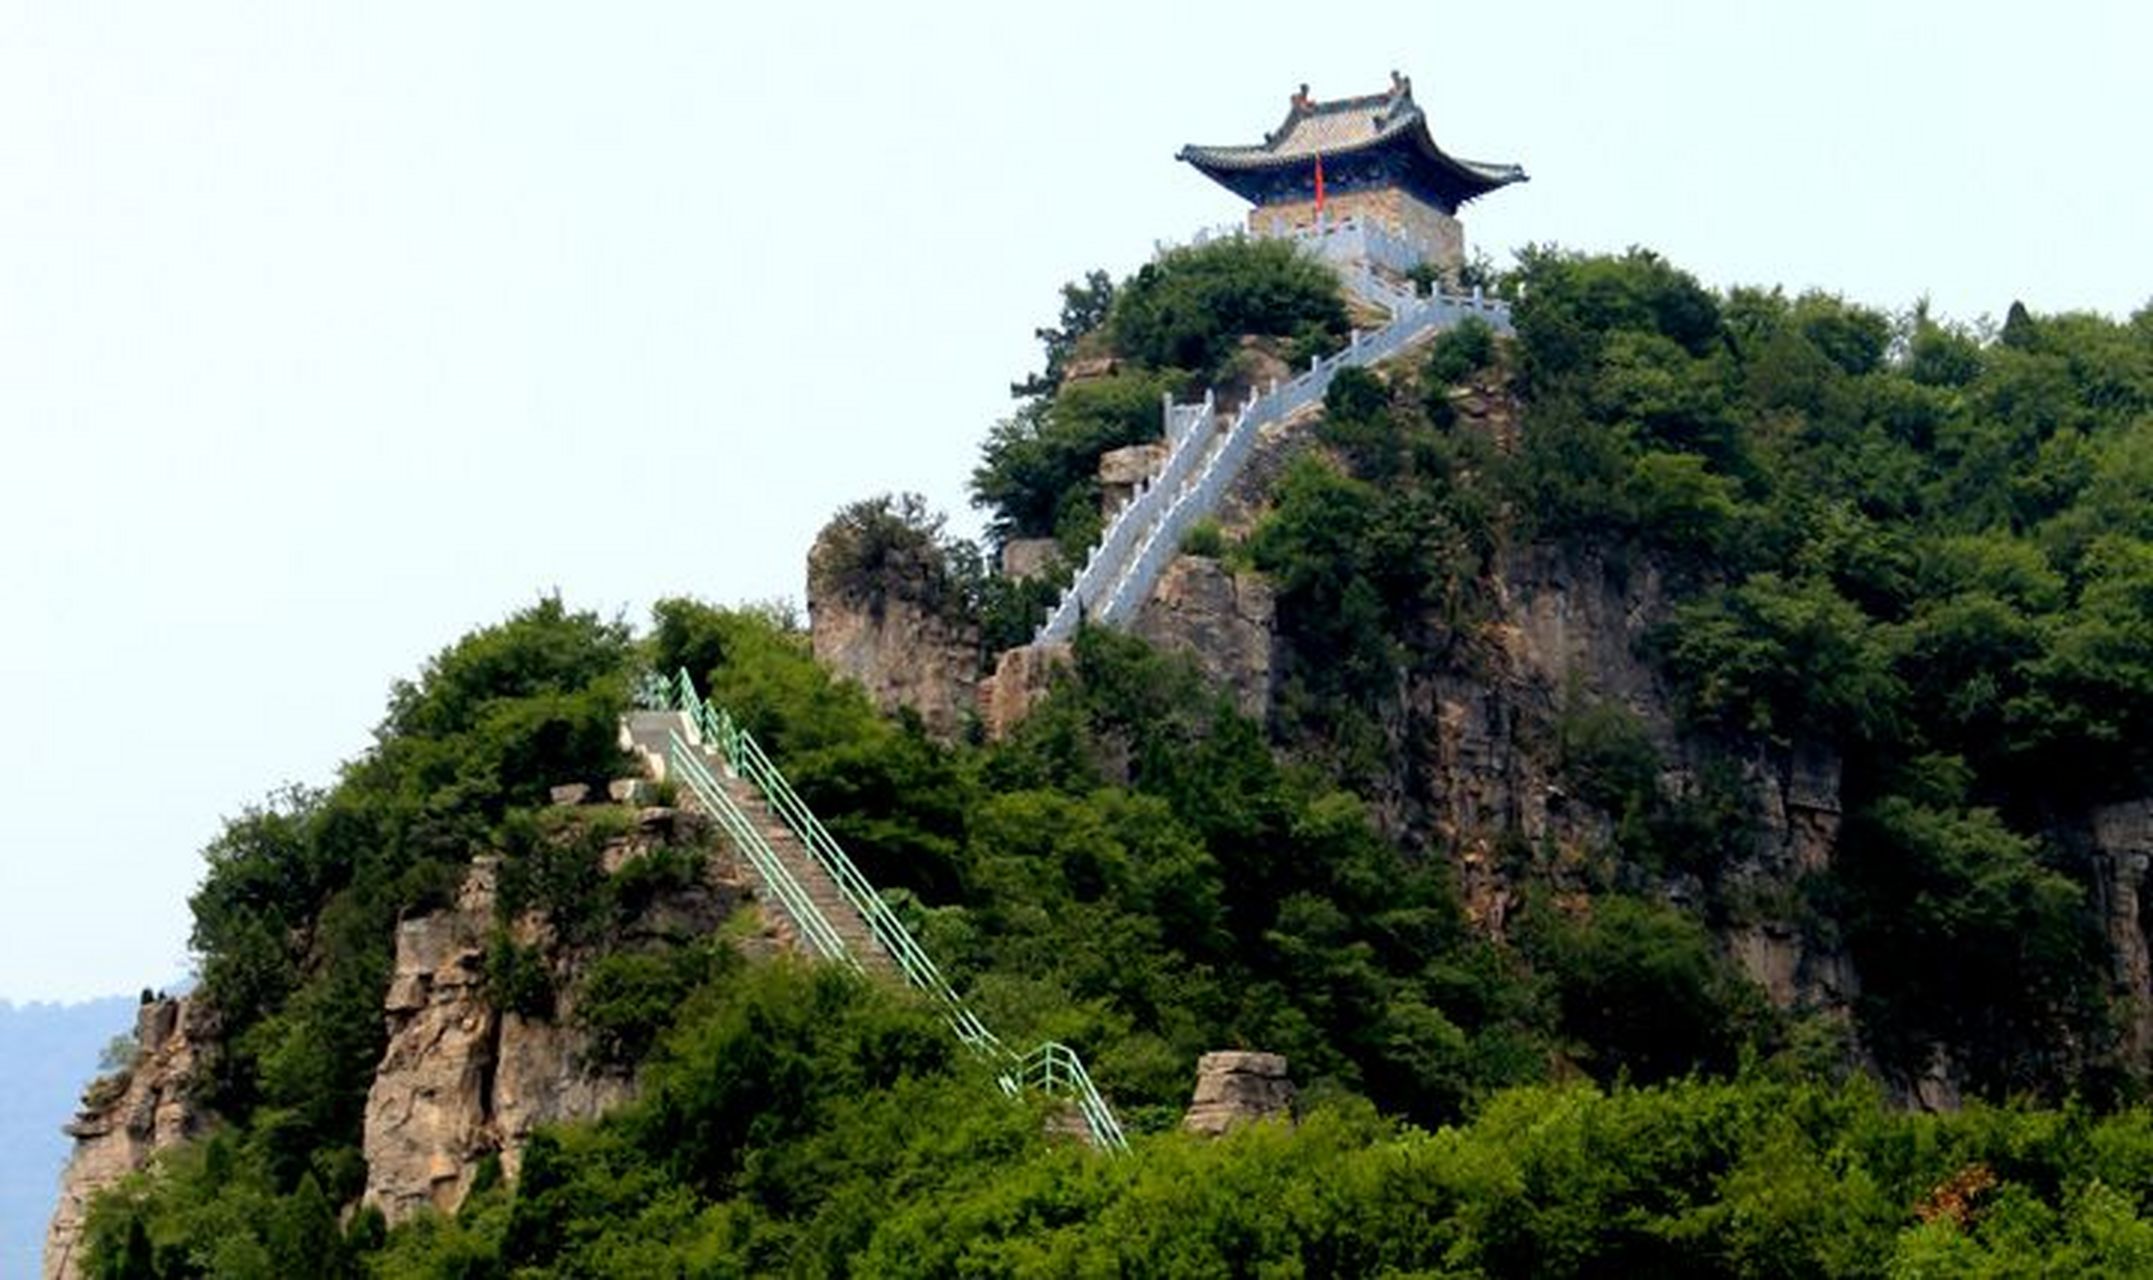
329	332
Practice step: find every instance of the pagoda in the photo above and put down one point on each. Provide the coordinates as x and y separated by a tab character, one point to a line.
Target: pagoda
1369	159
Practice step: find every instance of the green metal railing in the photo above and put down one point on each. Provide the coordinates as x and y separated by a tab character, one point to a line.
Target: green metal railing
1052	1068
815	928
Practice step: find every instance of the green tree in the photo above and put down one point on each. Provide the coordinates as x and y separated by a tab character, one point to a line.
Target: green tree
1085	306
1189	308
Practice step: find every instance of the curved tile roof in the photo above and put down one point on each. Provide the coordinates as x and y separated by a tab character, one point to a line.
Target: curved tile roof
1345	126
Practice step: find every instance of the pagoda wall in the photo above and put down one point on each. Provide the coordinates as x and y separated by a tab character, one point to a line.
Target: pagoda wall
1439	236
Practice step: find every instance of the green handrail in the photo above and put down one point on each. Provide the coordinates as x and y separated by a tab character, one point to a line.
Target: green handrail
806	916
1052	1067
751	763
748	760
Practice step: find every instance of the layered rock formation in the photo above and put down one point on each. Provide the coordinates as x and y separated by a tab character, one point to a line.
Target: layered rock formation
2122	857
1236	1088
130	1116
461	1079
1221	619
893	637
1021	678
429	1113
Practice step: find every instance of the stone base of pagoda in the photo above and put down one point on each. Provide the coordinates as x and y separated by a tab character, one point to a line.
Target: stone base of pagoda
1435	235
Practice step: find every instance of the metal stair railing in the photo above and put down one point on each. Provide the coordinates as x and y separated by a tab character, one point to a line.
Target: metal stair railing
687	763
747	760
1052	1067
1055	1068
751	763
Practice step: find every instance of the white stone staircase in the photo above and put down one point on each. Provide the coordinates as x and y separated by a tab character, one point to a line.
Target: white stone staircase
1206	451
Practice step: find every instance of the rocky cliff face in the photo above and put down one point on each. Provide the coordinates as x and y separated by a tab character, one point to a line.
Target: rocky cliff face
1474	737
904	653
1221	619
2122	857
461	1079
1481	767
128	1117
1235	1088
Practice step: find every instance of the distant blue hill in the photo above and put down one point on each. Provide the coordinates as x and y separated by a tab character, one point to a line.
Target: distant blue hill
47	1053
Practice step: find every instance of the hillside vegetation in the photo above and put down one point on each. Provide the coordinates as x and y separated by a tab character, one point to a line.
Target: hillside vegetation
1925	546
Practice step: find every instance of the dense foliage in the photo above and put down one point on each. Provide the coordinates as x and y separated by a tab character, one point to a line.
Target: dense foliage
801	1122
1909	543
295	922
1920	549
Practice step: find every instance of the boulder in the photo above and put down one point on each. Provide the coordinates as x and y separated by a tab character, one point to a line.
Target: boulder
1236	1087
1029	557
1021	678
1122	470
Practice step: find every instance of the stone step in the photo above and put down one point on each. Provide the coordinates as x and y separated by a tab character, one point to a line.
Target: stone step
817	884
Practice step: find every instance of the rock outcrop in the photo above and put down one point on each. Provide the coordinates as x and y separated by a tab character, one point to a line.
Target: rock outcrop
429	1114
1258	363
896	640
461	1079
1235	1088
2122	856
127	1117
1220	618
1029	557
1021	678
1122	470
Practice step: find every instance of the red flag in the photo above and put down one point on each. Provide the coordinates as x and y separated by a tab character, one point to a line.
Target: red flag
1319	182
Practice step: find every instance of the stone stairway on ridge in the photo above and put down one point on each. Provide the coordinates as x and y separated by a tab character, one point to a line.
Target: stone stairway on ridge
820	887
650	734
1205	456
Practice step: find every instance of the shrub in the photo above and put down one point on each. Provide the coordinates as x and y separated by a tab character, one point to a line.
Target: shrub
1642	992
1204	538
1038	469
626	999
1460	351
888	546
1188	309
517	979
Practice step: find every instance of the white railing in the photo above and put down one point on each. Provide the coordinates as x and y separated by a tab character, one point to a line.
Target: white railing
1188	438
1338	240
1201	465
1353	239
